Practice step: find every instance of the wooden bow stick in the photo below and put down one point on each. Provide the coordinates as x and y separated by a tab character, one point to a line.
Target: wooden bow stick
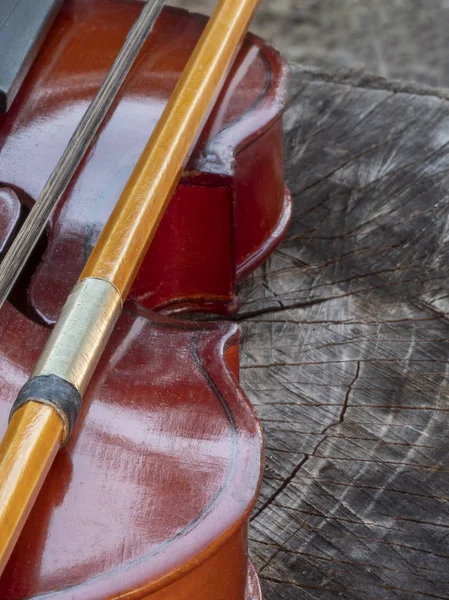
49	403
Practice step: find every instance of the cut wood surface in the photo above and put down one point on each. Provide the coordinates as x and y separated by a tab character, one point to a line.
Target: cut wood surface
346	348
406	39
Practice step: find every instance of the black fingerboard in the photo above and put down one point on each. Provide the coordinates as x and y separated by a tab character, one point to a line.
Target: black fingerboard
23	27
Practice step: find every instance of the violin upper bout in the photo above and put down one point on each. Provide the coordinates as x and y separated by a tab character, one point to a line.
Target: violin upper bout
230	208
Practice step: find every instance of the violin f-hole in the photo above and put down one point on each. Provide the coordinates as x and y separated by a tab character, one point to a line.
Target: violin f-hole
14	208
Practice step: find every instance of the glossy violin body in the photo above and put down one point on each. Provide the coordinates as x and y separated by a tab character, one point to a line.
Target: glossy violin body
151	496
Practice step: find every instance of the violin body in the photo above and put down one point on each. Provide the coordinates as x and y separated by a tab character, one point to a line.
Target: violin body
159	477
151	496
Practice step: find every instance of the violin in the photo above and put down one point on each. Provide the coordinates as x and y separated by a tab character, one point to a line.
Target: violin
151	492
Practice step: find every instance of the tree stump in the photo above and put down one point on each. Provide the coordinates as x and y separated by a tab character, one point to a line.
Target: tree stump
406	39
346	347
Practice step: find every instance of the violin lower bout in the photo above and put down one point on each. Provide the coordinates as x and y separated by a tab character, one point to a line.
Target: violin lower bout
151	496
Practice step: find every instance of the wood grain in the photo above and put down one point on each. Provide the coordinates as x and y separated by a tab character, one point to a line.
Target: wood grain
346	341
401	39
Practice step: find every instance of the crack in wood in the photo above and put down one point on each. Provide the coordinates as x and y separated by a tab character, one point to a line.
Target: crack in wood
306	457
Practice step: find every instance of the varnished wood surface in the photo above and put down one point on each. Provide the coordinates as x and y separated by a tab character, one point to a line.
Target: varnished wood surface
153	491
346	349
237	161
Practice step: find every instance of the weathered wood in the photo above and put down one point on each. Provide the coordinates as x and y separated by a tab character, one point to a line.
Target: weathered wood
400	39
346	346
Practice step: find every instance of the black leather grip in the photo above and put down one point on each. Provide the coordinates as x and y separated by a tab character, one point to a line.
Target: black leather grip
53	391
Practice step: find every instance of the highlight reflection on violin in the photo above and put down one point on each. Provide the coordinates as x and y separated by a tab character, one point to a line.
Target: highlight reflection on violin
150	495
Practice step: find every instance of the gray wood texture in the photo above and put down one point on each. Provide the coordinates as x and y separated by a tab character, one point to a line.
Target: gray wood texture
399	39
346	347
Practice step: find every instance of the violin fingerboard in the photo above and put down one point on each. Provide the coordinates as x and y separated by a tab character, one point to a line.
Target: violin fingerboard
24	25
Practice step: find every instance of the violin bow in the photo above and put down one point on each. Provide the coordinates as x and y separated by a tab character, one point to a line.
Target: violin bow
48	405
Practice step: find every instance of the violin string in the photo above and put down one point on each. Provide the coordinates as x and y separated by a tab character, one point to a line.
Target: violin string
38	217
